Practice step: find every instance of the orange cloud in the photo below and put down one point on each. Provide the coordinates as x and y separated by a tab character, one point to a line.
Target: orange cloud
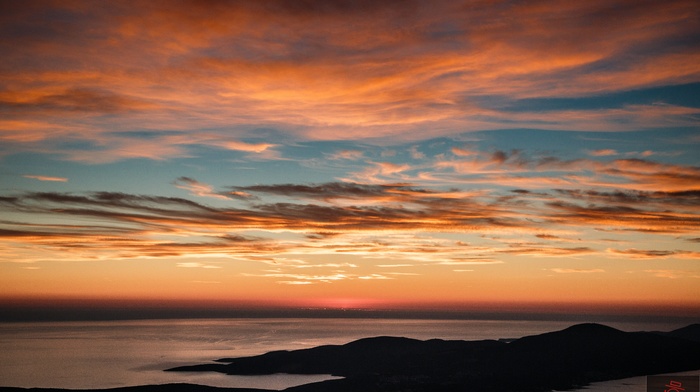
603	153
197	188
197	265
46	178
516	168
673	274
331	71
249	147
576	270
655	254
373	222
548	251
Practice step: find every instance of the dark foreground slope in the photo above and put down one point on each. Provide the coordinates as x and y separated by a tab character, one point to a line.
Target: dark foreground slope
143	388
558	360
691	332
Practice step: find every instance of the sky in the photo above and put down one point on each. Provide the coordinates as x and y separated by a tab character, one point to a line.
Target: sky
351	154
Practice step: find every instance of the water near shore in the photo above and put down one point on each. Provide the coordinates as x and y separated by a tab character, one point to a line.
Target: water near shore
632	384
81	355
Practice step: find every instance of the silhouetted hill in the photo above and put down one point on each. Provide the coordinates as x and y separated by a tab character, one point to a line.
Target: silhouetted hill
591	352
577	355
176	387
559	360
691	332
380	355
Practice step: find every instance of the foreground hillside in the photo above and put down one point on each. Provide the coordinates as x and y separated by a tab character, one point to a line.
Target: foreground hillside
558	360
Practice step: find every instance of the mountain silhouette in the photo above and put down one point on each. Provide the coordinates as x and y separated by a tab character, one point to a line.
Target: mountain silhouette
575	356
691	332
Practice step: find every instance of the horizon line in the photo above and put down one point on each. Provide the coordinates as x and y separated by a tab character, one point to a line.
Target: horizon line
132	310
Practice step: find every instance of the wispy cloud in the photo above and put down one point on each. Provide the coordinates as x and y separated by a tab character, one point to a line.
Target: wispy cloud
341	218
46	178
415	154
71	100
197	265
374	277
352	155
603	153
197	188
351	74
394	265
470	261
655	254
547	251
520	169
304	278
673	274
248	147
576	270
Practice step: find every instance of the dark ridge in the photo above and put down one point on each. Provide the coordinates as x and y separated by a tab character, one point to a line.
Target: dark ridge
560	360
691	332
177	387
381	355
591	352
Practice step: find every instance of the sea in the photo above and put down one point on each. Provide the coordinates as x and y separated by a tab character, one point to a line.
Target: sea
109	354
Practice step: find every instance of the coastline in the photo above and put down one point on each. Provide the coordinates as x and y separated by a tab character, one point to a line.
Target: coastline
629	384
594	355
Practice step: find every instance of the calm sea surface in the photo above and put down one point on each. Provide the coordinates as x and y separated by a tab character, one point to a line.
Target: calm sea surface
96	354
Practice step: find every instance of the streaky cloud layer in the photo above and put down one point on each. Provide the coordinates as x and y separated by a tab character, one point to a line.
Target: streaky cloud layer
403	153
333	70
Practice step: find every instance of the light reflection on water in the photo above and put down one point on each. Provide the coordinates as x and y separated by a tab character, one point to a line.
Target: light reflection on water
123	353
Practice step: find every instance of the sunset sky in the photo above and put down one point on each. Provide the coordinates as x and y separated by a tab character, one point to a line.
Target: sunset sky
351	154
